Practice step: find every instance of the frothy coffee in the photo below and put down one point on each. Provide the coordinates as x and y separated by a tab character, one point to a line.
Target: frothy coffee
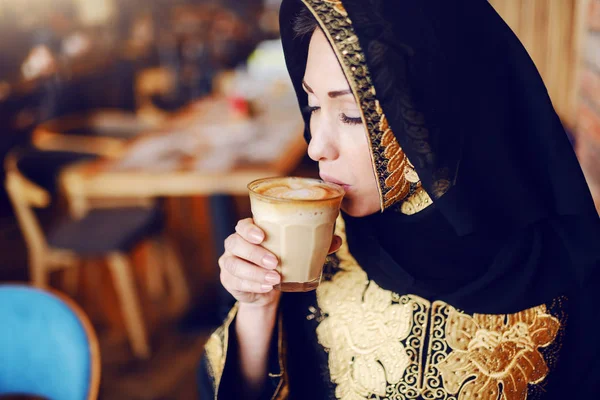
298	217
297	189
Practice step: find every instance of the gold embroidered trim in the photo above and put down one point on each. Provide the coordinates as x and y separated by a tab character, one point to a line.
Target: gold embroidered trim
216	355
216	350
282	391
396	176
376	343
418	201
338	6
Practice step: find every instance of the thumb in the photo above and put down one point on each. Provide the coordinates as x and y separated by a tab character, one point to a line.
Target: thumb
336	243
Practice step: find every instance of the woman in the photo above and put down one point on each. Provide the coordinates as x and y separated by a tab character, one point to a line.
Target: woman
470	251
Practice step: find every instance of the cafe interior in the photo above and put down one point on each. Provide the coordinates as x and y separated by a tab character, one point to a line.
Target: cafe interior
129	132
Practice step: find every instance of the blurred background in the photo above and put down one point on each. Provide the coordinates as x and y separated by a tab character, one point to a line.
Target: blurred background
130	129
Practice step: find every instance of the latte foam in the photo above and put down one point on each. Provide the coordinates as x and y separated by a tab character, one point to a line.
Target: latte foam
297	189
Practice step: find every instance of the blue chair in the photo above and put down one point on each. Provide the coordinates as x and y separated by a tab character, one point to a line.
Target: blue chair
48	347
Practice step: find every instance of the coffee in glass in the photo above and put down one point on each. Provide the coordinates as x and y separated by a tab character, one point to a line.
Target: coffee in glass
298	217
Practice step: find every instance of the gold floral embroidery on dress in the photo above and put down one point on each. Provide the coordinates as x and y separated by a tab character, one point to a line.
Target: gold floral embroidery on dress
376	343
216	350
492	354
372	335
397	178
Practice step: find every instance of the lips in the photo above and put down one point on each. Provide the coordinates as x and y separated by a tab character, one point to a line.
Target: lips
330	179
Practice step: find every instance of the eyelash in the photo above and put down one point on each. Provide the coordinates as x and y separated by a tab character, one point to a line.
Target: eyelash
350	121
308	110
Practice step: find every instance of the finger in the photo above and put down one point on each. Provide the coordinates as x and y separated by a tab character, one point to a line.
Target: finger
336	243
242	269
234	284
252	233
256	254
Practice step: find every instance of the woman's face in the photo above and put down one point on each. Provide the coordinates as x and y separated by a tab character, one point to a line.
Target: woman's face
339	138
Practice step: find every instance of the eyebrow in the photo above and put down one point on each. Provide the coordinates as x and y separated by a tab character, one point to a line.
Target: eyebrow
332	94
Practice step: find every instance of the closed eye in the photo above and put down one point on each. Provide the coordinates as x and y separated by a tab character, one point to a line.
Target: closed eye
309	110
350	120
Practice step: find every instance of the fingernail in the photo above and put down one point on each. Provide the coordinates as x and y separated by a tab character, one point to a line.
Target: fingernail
257	235
270	261
266	288
272	277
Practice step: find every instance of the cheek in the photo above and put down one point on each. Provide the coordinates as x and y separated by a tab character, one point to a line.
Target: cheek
358	156
365	199
363	168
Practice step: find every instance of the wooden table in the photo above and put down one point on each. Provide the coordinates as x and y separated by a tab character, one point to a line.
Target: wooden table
90	180
122	178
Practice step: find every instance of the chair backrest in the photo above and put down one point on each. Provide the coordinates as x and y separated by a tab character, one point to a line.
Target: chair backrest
24	195
48	347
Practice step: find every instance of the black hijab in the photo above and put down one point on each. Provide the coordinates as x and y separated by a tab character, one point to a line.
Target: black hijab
453	86
481	193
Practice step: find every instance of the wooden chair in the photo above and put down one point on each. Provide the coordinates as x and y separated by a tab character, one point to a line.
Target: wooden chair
108	233
48	346
169	271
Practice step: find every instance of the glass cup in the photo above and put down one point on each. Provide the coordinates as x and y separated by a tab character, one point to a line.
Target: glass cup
298	217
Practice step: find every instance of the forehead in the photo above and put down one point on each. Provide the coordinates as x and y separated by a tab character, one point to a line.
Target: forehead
323	71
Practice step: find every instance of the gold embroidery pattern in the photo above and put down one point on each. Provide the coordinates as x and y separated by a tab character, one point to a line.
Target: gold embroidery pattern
366	358
216	350
418	201
397	178
437	351
402	175
500	351
376	343
407	387
338	6
363	358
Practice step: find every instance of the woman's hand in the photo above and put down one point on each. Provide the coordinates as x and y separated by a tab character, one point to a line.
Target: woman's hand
248	270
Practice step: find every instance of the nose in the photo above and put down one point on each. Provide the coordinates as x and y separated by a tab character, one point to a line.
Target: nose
322	145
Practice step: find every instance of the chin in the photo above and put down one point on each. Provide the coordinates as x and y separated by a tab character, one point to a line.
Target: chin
357	208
